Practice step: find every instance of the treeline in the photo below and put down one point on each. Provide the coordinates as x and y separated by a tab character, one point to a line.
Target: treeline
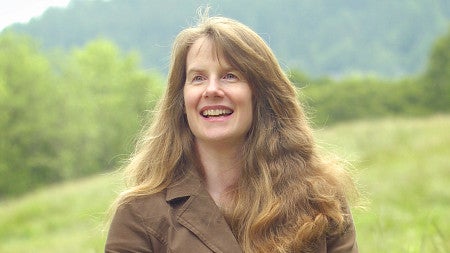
67	115
364	97
390	38
70	114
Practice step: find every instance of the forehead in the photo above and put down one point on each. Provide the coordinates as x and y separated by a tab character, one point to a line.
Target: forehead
205	50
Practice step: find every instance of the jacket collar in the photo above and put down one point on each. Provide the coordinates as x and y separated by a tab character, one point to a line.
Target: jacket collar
187	186
200	214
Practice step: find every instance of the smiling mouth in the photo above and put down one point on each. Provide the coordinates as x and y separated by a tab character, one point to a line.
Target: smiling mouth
216	113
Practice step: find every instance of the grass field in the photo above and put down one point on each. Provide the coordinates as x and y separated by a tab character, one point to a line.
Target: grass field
402	166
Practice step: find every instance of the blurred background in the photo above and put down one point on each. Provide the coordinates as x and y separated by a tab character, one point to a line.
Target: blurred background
78	79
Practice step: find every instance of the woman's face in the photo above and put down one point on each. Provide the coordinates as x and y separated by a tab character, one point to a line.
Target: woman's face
218	99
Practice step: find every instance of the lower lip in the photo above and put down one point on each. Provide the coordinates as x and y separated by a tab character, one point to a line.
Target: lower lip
217	119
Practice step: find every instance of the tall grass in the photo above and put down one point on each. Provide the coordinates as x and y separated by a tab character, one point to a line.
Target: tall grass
402	166
62	218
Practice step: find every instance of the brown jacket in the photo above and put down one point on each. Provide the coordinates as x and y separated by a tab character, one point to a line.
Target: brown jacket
184	218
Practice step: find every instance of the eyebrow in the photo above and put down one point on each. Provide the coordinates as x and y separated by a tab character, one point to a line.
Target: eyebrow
194	70
200	70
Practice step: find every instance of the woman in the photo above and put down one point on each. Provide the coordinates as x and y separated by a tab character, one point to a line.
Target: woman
229	163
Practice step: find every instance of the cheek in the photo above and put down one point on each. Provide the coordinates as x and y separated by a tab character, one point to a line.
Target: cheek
247	102
190	101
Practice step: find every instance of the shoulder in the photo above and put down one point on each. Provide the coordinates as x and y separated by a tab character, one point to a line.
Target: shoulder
139	225
148	214
146	206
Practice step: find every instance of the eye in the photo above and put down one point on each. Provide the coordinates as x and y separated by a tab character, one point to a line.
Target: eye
230	76
197	78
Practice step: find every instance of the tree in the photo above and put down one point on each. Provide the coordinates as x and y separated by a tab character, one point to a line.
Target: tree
71	120
28	116
437	75
107	98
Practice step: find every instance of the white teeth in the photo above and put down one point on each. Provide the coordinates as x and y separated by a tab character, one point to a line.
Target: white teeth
216	112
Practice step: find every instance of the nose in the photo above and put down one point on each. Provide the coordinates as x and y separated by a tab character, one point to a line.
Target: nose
213	89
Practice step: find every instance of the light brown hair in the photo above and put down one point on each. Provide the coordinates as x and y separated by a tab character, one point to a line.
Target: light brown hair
288	196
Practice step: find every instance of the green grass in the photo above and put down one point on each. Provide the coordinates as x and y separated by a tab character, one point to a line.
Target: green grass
63	218
402	166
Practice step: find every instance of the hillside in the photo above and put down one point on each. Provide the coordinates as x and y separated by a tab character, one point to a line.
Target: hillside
388	38
401	164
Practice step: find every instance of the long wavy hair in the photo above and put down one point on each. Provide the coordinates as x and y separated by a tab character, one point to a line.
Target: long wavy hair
288	196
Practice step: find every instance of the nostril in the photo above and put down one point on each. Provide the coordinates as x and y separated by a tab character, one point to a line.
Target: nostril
213	93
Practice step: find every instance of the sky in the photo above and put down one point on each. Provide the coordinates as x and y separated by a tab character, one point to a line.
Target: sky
21	11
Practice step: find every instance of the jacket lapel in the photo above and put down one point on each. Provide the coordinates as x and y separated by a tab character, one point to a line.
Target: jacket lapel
201	216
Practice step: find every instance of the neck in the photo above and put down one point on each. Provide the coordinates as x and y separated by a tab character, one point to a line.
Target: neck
221	167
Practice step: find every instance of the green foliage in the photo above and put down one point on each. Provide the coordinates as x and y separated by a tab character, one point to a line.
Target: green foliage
401	165
436	87
107	97
362	97
356	97
70	120
29	116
